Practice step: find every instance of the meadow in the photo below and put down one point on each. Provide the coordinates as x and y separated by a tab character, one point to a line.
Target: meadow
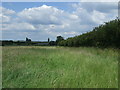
59	67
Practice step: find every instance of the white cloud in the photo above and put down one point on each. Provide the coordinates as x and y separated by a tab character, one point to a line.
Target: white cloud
46	15
98	17
72	32
6	11
6	15
41	15
18	26
5	18
48	21
95	13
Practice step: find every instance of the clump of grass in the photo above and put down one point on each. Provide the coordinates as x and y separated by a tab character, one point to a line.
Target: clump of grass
59	67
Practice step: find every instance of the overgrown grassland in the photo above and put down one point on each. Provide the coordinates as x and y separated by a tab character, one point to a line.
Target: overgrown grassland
59	67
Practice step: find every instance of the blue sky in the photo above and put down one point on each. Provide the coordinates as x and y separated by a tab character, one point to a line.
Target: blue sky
21	5
38	20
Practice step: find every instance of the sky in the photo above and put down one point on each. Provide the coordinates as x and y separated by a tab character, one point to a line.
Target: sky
40	21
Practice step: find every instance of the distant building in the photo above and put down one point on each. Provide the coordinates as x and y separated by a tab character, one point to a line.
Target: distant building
42	44
27	42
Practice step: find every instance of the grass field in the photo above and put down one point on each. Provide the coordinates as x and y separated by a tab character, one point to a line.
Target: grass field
59	67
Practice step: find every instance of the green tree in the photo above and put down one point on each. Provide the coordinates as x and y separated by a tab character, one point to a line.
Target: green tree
59	39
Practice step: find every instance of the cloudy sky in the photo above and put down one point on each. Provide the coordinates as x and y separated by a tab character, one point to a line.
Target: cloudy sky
39	21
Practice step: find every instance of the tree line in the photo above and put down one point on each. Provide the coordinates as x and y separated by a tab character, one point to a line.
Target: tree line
105	35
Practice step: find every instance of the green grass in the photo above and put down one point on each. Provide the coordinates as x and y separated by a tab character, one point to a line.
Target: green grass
59	67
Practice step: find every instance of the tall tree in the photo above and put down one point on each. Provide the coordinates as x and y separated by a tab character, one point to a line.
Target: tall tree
59	39
48	40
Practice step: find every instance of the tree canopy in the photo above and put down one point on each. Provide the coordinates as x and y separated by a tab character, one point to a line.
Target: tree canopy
106	35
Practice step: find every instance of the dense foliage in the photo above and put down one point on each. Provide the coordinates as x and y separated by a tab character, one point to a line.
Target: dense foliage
59	39
106	35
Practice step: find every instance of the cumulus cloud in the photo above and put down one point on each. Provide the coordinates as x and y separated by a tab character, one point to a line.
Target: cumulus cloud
41	15
42	21
5	18
18	26
6	15
45	15
6	11
101	7
95	13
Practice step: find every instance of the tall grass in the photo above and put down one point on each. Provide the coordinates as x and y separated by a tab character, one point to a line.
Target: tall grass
59	67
